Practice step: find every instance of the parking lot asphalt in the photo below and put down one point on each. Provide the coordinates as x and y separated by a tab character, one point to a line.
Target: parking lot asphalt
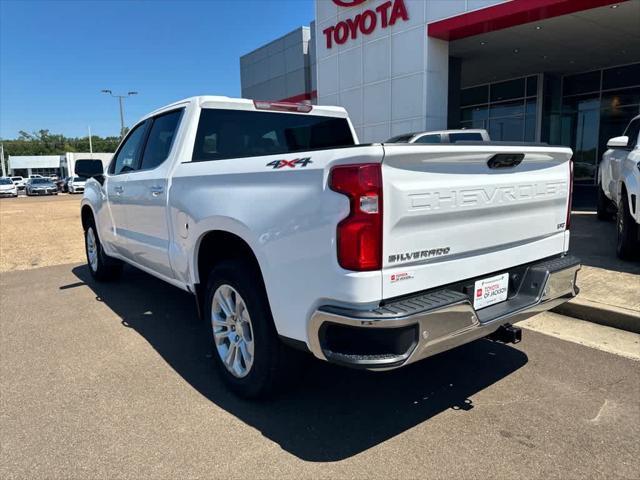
40	231
113	381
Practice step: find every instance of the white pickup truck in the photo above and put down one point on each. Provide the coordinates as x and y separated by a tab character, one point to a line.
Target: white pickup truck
619	188
292	236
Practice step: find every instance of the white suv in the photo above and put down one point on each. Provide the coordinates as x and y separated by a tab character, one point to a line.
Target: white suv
619	188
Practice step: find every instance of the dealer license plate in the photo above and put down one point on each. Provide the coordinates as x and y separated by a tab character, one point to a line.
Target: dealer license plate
490	291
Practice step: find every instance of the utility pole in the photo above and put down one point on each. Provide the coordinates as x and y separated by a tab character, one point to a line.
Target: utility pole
90	144
120	101
4	171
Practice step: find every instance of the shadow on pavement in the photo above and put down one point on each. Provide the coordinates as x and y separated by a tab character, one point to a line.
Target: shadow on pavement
594	242
332	413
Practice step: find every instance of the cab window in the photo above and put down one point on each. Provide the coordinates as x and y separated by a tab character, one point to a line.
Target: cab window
161	136
429	139
127	157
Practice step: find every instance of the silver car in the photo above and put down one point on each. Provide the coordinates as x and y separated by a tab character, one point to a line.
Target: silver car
41	186
443	136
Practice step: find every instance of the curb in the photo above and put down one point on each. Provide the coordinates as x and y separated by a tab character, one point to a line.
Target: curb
602	314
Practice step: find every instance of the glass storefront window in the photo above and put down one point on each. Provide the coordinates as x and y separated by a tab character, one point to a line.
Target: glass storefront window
621	98
508	110
507	90
532	86
505	129
475	113
581	83
621	77
530	128
588	121
474	95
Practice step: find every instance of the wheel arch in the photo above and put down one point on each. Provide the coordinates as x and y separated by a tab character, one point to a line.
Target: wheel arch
87	215
215	246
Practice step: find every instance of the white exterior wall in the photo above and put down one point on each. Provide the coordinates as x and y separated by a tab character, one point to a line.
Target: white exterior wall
394	80
277	70
33	161
65	161
68	160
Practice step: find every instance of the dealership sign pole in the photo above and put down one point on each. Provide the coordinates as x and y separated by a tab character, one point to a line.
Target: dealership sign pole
90	144
4	172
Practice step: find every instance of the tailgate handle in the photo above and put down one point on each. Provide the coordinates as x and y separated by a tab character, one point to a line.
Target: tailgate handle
505	160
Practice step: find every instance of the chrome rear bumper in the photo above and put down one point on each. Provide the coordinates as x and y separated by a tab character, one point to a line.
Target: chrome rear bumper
407	330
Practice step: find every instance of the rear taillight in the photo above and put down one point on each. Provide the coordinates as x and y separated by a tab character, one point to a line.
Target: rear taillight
359	236
568	222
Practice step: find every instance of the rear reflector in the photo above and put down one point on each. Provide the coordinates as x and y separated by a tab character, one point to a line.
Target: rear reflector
283	106
359	236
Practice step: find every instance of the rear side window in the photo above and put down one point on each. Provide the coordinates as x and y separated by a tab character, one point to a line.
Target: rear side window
238	133
465	137
160	139
429	139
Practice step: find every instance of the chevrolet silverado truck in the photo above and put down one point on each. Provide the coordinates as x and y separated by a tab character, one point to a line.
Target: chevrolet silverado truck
293	236
619	189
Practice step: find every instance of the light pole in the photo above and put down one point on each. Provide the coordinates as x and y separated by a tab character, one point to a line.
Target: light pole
120	97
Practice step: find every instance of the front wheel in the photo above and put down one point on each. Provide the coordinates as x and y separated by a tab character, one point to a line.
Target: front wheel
102	267
628	245
247	351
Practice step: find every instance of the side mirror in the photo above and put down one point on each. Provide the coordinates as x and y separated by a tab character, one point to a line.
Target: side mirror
618	142
90	169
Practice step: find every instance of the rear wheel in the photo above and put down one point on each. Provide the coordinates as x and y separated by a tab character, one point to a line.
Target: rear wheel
248	355
604	205
102	267
628	246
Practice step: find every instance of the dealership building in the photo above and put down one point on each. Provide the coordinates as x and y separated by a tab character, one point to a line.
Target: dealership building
51	165
558	71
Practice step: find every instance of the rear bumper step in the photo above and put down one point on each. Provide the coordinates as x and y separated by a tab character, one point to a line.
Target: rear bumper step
410	329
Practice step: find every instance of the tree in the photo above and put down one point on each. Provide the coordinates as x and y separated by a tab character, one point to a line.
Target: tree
43	142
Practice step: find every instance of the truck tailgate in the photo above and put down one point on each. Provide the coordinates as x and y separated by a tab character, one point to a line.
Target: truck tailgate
449	216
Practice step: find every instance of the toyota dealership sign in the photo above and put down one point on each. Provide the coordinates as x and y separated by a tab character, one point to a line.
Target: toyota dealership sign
382	16
348	3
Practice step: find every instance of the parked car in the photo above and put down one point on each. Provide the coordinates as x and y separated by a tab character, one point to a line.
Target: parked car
41	186
443	136
8	188
36	175
290	234
60	184
76	184
19	182
619	188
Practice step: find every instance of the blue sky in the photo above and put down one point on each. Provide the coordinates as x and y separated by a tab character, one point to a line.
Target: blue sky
56	56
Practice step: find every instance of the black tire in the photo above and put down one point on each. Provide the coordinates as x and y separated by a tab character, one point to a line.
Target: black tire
605	206
106	268
628	246
274	364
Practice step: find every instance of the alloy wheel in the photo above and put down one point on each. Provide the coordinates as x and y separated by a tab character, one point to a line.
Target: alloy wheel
232	330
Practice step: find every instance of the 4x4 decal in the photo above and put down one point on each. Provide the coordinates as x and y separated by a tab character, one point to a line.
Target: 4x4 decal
303	162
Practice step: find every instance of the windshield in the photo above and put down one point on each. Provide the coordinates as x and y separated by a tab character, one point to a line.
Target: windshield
35	181
16	179
79	179
5	181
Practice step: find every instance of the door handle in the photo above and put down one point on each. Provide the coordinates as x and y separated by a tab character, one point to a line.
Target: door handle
156	191
118	189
